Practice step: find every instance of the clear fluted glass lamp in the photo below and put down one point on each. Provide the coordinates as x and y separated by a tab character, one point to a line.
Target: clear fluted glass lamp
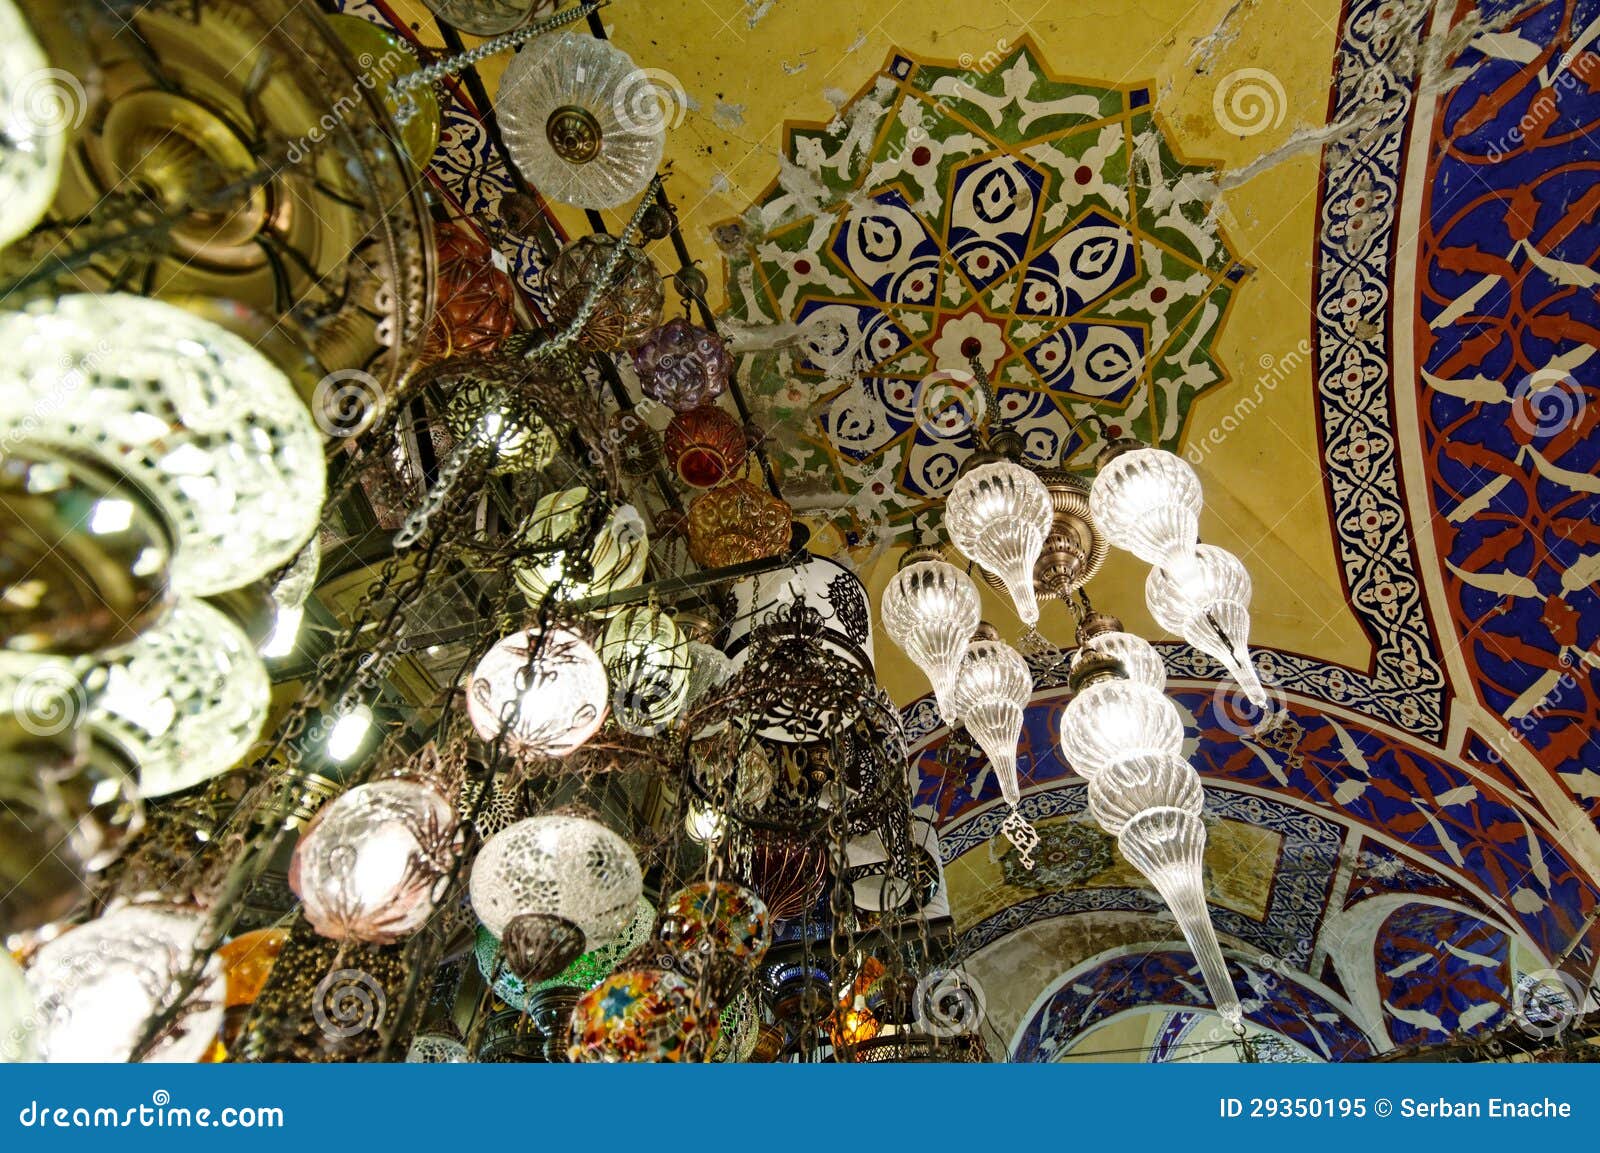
584	124
1206	600
546	691
931	609
553	887
991	695
1110	719
204	424
998	515
1147	501
1104	635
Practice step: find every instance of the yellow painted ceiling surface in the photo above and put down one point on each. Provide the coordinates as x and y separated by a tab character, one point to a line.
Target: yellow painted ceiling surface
747	66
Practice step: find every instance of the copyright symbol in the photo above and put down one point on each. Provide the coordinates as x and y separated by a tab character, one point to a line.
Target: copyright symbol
1382	1107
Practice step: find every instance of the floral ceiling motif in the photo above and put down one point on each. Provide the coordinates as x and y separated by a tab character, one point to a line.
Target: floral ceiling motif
982	212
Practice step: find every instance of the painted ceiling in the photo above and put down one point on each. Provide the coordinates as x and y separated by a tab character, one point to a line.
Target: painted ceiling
1341	256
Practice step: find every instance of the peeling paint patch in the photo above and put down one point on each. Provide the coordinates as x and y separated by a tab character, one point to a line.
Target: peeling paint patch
758	10
792	69
1204	50
836	97
728	115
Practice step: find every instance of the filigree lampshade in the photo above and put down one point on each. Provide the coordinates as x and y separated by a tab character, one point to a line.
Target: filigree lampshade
647	661
990	694
96	986
1147	501
704	446
1205	599
568	107
185	701
375	860
483	416
1113	720
737	522
33	136
616	558
474	301
931	609
547	692
682	365
197	418
998	515
627	306
559	875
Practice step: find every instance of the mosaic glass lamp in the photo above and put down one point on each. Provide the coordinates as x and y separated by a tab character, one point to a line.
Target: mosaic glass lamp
998	515
553	887
96	986
576	122
931	609
1147	501
545	691
1205	599
640	1015
199	420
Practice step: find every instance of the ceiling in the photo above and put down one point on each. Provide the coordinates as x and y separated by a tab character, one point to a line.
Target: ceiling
1391	205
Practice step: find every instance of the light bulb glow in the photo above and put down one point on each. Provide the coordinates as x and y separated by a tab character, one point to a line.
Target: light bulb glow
1114	720
348	733
285	632
931	609
547	692
559	866
998	515
1139	660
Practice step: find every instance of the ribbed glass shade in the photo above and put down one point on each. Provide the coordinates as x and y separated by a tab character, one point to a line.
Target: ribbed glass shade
1147	502
95	986
991	694
1115	720
558	866
185	701
1138	658
484	17
39	111
374	861
547	691
931	609
998	515
1167	846
583	122
1206	601
647	660
616	558
209	428
1128	788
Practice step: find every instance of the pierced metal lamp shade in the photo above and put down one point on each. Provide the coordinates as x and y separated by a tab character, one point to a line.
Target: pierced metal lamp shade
559	866
1114	720
41	106
931	609
1147	502
584	973
626	307
616	559
991	694
375	861
95	987
185	701
209	428
546	691
1206	601
998	515
565	104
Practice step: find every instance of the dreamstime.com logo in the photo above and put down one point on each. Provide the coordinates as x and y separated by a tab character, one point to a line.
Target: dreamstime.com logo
1238	714
346	402
649	100
1546	1002
348	1002
1545	403
48	699
46	102
1249	102
948	1004
159	1113
947	404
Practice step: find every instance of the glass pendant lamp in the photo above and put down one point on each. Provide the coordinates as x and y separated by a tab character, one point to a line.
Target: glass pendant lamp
647	660
582	121
998	515
1111	719
991	693
931	609
1206	600
553	887
1147	502
617	557
201	422
1138	658
546	690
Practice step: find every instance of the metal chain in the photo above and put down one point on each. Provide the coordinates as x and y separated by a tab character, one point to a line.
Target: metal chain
405	105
